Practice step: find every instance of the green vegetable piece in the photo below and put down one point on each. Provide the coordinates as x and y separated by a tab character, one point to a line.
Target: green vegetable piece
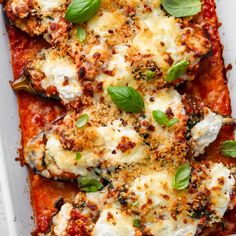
181	178
228	148
80	11
136	223
81	34
182	8
161	118
150	74
126	98
78	156
172	122
177	70
82	121
87	184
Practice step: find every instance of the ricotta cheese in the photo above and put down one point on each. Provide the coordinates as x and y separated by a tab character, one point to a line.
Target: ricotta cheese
61	72
60	221
205	132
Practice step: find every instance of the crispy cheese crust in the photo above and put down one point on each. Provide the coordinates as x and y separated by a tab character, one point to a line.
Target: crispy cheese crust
136	190
149	198
123	42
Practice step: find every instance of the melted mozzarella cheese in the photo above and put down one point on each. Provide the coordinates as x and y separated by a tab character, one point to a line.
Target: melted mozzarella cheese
220	185
162	100
60	221
58	70
46	5
112	134
112	222
101	24
66	160
152	187
19	4
169	226
155	191
206	131
121	68
155	29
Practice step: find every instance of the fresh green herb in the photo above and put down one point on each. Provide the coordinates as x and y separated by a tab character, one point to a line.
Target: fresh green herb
135	203
177	70
126	98
136	223
81	34
181	178
82	10
150	74
89	184
82	121
161	118
180	8
78	156
228	148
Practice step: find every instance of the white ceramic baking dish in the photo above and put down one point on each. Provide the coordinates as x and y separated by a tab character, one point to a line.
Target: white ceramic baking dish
14	178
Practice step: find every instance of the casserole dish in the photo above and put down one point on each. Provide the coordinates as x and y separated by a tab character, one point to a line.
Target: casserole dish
15	195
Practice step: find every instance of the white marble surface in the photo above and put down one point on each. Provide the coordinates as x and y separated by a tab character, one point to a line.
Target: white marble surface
3	224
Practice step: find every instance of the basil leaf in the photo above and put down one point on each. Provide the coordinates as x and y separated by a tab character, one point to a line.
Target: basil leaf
182	8
172	122
150	74
126	98
136	223
89	184
177	70
181	178
161	118
82	10
228	148
82	121
78	156
81	34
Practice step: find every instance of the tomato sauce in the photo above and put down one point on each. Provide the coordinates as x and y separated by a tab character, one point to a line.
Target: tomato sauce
210	86
34	114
